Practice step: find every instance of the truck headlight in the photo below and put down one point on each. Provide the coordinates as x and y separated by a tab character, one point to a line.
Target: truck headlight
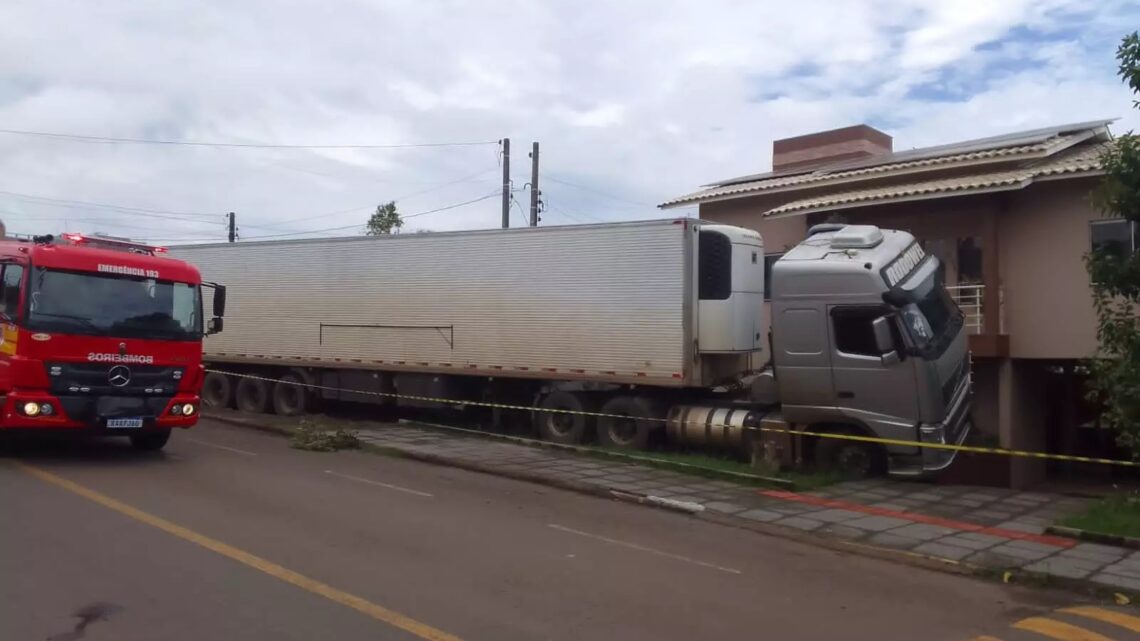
46	409
176	410
31	409
188	409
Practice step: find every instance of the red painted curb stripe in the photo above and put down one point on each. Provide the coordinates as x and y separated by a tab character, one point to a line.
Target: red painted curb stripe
1044	539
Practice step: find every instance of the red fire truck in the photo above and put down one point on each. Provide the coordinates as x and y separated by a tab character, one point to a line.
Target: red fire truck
100	336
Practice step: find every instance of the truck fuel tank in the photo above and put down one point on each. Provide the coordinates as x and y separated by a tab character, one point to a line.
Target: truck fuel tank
719	427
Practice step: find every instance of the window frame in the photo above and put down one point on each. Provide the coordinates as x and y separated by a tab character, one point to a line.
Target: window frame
1104	222
873	312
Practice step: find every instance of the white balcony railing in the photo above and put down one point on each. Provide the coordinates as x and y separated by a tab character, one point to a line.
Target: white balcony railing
969	299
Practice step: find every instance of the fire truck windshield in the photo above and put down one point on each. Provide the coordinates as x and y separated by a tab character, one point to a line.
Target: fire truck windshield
105	305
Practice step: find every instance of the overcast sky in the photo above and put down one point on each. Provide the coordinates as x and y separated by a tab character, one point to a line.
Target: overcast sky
633	102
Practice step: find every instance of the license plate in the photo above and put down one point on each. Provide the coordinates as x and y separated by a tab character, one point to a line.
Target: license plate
125	423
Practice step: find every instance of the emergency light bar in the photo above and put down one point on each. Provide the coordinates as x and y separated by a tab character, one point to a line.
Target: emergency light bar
114	243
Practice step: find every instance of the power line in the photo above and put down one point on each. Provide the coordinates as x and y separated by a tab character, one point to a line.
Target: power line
198	143
80	204
598	191
359	225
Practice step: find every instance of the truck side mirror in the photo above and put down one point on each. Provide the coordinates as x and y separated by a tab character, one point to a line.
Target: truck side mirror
214	325
219	303
885	340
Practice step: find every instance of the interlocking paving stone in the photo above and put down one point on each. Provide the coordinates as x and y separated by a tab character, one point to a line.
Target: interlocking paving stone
876	523
923	531
765	516
834	515
727	508
888	539
800	522
942	550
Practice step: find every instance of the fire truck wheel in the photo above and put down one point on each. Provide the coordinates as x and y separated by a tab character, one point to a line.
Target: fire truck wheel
253	395
628	425
150	441
290	398
217	391
562	426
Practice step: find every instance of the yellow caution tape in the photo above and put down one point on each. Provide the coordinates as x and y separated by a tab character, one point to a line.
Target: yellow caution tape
845	437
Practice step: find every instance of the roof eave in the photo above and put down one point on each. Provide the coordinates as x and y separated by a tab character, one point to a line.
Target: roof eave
933	195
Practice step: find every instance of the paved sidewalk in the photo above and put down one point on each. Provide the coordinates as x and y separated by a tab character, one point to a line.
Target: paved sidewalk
987	527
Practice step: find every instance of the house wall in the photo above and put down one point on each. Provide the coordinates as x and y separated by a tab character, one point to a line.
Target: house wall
1044	234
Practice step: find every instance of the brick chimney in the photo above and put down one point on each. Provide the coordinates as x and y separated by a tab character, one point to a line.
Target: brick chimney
814	150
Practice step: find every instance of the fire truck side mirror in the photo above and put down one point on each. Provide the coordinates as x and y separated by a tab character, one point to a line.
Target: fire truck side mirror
219	302
214	325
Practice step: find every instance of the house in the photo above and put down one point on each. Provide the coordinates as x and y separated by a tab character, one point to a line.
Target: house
1010	217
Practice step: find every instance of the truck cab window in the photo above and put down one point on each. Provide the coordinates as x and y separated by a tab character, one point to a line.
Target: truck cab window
10	291
853	332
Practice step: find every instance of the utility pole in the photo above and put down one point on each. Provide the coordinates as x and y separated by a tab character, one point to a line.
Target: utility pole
233	227
534	193
506	182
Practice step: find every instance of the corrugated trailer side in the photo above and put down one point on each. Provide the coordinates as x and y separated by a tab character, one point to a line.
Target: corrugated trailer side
596	302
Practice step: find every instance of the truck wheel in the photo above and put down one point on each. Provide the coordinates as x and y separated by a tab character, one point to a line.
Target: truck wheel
289	397
849	459
217	391
560	426
150	441
253	395
627	423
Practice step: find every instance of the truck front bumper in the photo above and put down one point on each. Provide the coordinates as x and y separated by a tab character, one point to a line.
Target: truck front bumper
89	414
952	431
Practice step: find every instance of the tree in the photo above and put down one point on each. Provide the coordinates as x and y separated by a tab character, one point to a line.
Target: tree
1115	276
384	221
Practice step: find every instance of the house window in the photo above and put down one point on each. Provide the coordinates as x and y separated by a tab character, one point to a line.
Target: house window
1116	237
769	260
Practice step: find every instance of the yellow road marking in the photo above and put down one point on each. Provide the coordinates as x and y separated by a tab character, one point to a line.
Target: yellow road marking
378	612
1058	630
1108	616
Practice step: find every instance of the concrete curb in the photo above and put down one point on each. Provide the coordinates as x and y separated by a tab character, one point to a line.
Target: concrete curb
1094	537
1013	576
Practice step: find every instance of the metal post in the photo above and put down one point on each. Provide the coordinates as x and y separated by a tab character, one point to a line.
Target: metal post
506	182
534	185
233	227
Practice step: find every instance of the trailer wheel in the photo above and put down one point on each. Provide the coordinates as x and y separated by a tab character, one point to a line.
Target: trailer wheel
217	391
627	423
849	459
253	395
290	398
150	441
562	426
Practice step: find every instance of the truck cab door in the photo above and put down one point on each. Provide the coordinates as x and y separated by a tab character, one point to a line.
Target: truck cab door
873	385
11	297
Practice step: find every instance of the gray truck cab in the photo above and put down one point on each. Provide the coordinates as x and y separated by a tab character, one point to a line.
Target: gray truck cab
867	340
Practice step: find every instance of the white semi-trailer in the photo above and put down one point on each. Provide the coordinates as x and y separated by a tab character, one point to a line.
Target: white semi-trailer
657	326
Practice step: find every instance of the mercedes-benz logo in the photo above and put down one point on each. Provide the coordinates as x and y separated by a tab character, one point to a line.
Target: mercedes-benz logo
119	375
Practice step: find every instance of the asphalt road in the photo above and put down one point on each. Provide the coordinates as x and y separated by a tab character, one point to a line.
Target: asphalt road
232	535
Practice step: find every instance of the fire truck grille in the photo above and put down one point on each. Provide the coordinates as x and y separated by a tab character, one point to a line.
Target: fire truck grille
111	379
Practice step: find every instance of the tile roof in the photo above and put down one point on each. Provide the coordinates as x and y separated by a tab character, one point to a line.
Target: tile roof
1018	147
1082	159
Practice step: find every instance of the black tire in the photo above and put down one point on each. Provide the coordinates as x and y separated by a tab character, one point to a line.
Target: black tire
851	460
150	441
626	423
289	397
253	396
217	391
561	426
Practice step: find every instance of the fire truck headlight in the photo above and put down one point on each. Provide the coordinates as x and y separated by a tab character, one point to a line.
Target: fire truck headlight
176	410
46	409
188	409
32	409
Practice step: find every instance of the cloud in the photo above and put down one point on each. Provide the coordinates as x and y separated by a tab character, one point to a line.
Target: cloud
632	102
